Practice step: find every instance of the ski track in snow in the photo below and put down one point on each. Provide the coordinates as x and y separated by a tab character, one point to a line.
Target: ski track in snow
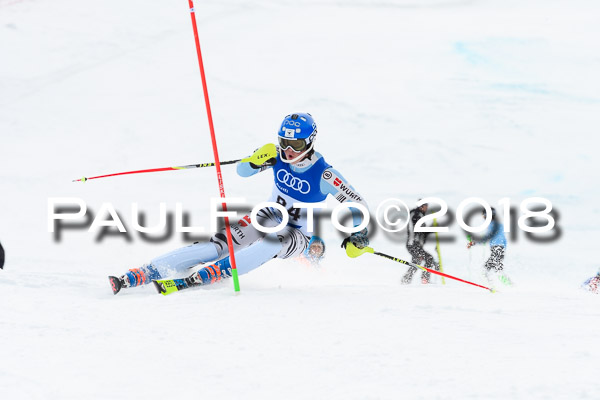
439	98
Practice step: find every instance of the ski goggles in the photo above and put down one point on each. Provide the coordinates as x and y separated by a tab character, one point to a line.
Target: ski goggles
296	144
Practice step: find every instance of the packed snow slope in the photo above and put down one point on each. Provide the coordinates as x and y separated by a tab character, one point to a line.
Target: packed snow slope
441	98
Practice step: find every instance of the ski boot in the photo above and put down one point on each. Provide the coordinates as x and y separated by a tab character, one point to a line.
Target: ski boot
204	276
134	277
211	273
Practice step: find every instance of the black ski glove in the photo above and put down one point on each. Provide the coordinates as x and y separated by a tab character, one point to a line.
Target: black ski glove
269	163
358	239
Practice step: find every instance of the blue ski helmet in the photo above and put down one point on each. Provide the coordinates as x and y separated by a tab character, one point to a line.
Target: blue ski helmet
297	131
315	250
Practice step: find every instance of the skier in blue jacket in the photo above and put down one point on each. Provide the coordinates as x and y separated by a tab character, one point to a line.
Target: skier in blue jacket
300	175
495	235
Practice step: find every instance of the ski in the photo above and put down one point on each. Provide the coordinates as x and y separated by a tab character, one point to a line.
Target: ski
168	286
115	284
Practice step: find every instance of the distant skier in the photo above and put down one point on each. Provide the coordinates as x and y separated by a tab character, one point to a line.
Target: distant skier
495	263
592	284
414	245
301	175
316	249
315	252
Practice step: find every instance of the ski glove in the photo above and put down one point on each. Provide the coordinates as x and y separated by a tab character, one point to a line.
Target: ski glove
358	239
263	157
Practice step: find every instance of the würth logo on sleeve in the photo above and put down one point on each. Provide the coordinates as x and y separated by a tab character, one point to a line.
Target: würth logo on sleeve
337	182
350	193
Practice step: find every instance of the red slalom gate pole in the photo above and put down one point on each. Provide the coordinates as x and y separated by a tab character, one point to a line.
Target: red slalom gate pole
234	272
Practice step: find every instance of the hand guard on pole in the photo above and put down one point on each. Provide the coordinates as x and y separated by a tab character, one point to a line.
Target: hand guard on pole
265	156
358	239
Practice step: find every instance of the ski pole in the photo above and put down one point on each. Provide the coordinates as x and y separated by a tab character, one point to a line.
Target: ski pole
437	247
142	171
234	271
353	251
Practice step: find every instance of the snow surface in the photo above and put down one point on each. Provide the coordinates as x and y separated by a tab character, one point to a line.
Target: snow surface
438	98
